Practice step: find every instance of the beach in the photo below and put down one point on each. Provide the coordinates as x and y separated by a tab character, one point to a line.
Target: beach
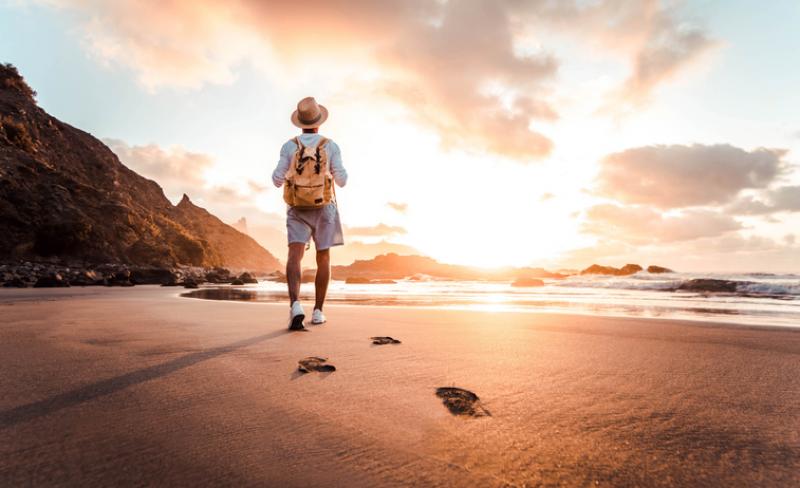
138	386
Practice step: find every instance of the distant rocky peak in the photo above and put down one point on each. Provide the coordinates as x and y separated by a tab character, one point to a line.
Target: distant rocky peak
241	225
186	202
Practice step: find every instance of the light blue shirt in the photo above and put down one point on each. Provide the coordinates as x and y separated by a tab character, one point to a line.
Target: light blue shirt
309	139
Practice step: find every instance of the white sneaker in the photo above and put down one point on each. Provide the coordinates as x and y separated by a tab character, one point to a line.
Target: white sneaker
296	316
317	317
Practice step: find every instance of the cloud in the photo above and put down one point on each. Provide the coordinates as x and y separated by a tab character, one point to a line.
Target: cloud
640	225
376	230
256	187
447	52
398	207
166	43
669	48
175	169
179	171
780	199
786	198
656	40
475	89
681	176
461	67
220	195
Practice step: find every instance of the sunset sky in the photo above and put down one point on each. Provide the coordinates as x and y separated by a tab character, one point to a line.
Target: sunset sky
545	133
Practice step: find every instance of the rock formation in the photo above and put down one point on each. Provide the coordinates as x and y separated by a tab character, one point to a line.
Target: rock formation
66	198
628	269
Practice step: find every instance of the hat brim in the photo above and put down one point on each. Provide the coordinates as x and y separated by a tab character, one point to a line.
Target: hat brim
322	119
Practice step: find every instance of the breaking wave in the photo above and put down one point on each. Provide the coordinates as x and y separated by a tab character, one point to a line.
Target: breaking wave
748	285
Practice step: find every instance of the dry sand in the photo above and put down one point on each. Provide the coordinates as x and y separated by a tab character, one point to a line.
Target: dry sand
140	387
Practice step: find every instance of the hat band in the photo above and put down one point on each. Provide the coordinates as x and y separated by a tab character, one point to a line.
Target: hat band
304	121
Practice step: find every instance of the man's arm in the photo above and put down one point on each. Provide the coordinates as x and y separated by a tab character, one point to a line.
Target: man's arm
279	175
337	168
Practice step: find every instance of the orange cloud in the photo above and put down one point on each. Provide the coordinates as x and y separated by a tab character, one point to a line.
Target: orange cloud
446	51
456	65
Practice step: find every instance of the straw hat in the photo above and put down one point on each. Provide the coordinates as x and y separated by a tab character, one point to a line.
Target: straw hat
309	114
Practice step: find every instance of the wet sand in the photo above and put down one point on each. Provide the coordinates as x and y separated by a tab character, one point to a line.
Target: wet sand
137	386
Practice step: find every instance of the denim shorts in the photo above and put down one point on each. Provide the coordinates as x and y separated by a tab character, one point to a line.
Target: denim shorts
322	224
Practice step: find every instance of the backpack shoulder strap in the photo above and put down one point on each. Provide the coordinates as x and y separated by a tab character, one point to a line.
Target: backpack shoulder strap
318	155
298	143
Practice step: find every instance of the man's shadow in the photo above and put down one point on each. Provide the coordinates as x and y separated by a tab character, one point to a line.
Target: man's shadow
102	388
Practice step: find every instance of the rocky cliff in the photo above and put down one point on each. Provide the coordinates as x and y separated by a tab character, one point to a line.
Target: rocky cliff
65	197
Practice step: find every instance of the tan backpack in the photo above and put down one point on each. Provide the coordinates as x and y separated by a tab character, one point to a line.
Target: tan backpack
309	183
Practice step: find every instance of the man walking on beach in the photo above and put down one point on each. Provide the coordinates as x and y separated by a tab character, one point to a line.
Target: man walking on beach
308	167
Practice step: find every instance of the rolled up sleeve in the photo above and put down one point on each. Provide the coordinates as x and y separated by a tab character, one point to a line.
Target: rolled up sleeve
337	167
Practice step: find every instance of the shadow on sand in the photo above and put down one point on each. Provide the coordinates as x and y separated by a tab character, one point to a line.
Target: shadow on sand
89	392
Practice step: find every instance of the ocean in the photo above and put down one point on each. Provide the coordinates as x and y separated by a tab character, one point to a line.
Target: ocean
759	298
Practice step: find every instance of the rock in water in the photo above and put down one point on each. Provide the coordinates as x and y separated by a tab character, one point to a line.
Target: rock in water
601	270
120	278
190	283
172	282
218	275
314	363
658	269
461	402
628	269
153	276
710	285
247	279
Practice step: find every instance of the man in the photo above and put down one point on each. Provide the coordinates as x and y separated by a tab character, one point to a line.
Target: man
308	166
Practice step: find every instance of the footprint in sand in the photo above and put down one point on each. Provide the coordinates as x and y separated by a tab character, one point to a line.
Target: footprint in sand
462	402
384	340
312	363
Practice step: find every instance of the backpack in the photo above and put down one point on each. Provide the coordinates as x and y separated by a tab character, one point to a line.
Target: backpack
309	183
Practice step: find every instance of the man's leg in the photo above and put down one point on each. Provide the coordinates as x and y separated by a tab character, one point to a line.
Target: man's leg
323	277
296	250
